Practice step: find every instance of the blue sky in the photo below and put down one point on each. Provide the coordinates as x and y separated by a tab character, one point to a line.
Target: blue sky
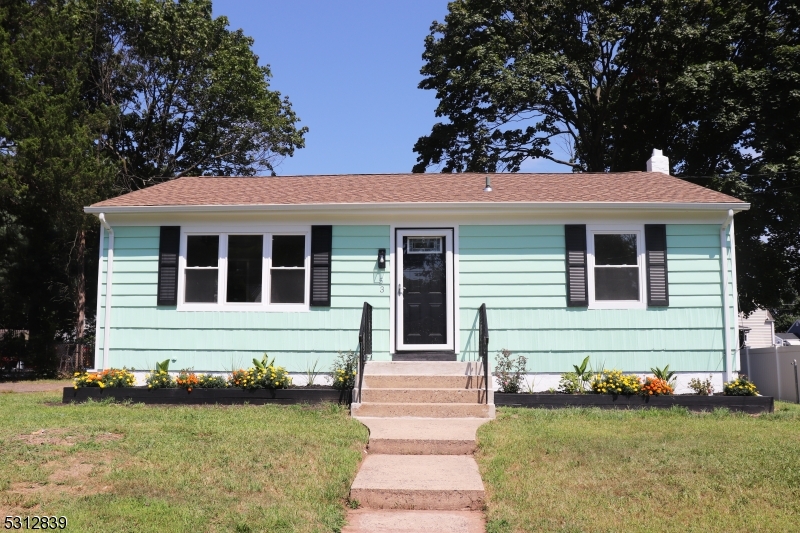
351	70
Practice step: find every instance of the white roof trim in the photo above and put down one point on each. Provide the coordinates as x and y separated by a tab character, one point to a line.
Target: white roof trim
421	206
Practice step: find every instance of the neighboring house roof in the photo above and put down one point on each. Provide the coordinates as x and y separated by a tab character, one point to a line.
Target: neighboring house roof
788	338
631	188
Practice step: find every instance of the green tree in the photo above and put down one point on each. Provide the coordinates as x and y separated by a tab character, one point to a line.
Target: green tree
609	81
190	94
103	97
50	167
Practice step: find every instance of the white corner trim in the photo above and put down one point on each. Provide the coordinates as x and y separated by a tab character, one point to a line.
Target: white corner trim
737	364
100	291
726	337
109	281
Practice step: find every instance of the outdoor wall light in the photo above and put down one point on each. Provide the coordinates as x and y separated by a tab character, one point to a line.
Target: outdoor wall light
382	258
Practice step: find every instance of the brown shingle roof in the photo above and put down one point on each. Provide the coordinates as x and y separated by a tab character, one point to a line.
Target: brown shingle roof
630	187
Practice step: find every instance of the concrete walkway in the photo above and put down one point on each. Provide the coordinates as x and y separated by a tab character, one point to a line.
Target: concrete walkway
419	474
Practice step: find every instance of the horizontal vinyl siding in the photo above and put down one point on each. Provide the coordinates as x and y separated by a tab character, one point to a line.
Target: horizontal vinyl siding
519	273
142	333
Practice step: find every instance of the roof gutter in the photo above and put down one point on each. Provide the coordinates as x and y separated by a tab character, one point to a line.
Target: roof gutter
421	206
109	278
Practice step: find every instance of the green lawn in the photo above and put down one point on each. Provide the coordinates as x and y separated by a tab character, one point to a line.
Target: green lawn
587	470
139	468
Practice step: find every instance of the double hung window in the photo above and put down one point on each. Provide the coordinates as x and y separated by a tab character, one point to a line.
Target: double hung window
244	271
616	268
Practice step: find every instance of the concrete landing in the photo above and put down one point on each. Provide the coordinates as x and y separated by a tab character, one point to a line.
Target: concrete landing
385	521
422	436
441	482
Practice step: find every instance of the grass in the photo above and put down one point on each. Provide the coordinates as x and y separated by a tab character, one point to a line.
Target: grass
587	470
123	467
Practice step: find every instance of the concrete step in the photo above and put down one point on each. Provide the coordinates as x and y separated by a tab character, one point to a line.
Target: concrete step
440	482
422	436
387	521
372	381
423	396
423	368
425	410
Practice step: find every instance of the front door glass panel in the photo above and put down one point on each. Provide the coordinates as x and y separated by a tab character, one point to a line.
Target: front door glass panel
424	290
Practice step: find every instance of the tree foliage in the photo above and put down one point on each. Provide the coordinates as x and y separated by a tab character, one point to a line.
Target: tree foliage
102	97
714	83
191	96
50	166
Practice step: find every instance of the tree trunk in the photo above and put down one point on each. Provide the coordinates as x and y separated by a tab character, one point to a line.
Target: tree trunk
80	299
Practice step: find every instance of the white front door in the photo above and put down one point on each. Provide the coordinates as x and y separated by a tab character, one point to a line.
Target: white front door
424	289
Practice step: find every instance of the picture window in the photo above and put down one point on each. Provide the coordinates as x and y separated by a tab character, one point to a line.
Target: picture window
235	271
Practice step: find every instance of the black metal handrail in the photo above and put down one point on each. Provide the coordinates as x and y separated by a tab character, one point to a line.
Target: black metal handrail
483	346
364	344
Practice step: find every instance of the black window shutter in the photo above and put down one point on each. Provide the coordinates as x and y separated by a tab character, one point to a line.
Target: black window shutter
655	243
577	290
321	240
168	250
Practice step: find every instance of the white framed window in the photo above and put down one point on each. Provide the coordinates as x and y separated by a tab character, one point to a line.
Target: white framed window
616	267
244	270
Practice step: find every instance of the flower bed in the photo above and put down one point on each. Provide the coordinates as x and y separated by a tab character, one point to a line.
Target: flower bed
264	382
745	404
222	396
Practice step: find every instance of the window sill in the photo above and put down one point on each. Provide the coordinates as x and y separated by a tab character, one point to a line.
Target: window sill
246	308
620	304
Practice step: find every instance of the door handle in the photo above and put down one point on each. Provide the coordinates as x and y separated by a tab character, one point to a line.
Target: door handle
399	289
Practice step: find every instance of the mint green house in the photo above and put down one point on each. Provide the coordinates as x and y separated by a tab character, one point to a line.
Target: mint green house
634	269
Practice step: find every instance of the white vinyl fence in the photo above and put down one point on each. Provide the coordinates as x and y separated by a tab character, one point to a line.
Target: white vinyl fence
772	370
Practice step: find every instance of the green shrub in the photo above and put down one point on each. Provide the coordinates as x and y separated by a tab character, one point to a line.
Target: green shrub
160	378
263	374
702	387
579	381
570	383
345	368
508	371
210	381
